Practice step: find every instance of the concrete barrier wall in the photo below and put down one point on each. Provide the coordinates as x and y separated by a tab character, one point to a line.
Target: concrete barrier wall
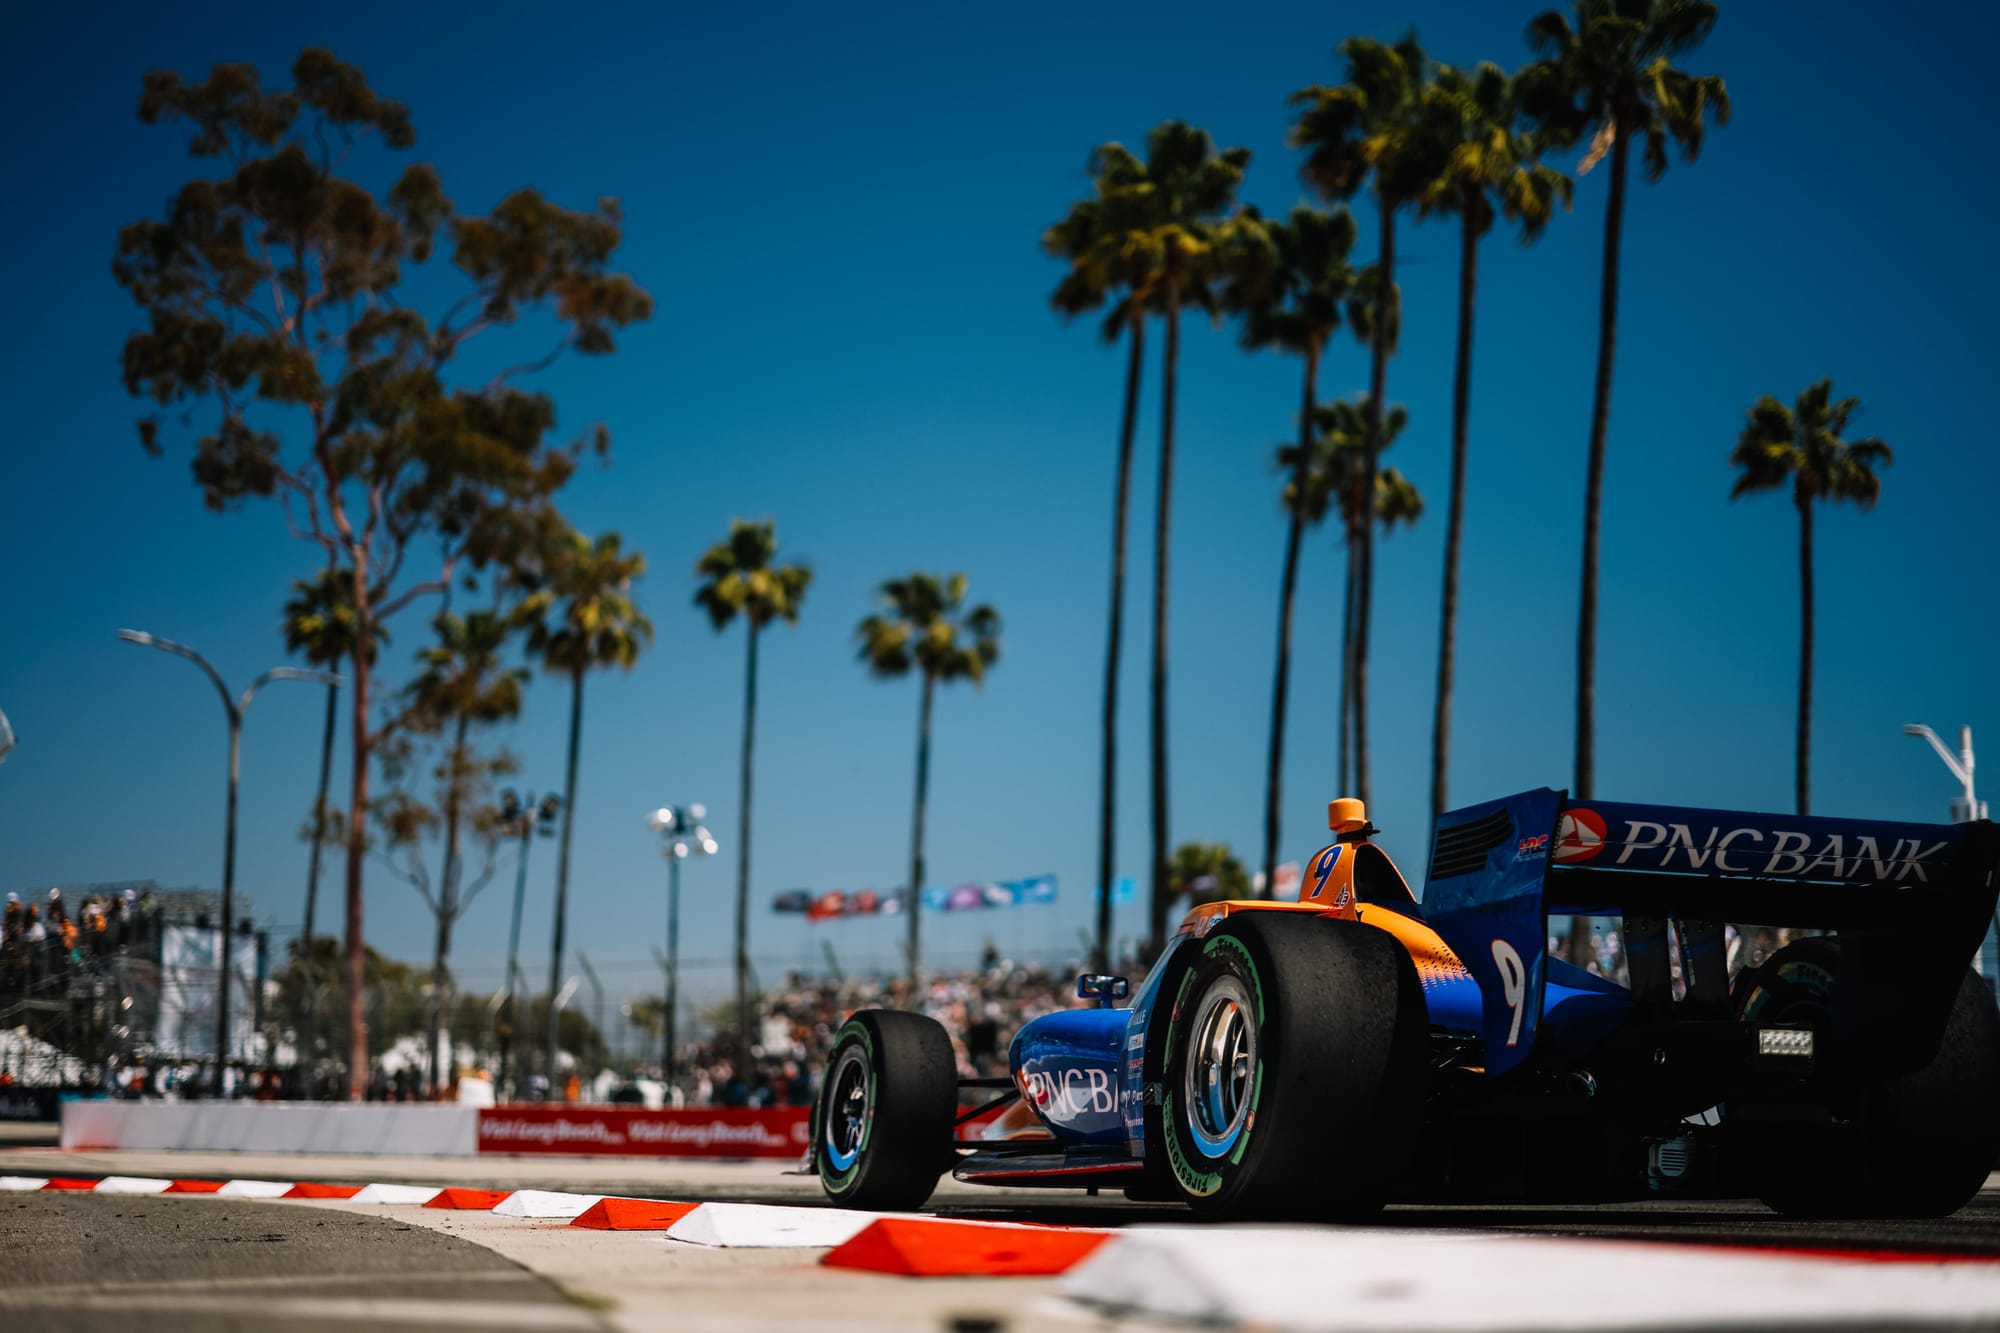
413	1130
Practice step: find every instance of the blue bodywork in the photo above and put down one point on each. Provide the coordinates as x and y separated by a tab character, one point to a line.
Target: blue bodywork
1499	870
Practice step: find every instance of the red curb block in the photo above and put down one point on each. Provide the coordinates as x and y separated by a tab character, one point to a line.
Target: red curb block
468	1200
632	1215
920	1247
193	1187
307	1189
69	1183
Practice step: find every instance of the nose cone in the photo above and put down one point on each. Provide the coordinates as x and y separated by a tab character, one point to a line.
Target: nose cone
1346	815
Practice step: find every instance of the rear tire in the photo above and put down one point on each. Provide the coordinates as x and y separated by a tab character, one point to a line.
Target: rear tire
883	1123
1915	1145
1292	1069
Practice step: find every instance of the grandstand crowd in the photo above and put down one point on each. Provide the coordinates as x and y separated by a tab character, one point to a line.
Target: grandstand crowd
47	937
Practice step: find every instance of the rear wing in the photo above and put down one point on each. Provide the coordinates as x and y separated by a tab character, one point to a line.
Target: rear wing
1911	901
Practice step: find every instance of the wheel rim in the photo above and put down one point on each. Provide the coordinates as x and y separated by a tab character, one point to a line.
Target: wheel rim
848	1108
1221	1063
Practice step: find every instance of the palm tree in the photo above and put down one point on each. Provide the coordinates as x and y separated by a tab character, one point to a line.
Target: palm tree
1337	473
1289	283
1112	247
320	626
1806	446
465	680
1367	132
581	617
1193	188
1612	77
1470	118
1208	872
924	622
743	578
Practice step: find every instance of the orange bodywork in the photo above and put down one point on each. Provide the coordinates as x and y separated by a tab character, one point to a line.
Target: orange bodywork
1334	895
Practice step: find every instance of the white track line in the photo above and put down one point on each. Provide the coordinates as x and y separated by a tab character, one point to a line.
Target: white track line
769	1226
1326	1278
545	1203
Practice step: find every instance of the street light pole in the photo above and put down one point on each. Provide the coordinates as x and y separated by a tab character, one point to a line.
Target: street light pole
235	707
1964	810
685	836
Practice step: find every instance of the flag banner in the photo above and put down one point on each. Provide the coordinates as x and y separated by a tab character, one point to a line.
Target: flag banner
855	902
1124	889
999	893
837	904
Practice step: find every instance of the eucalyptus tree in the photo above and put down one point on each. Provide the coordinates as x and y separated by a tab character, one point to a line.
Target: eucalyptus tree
581	618
1289	281
1611	77
1486	166
924	624
742	579
1368	133
279	338
1805	447
1193	190
1112	247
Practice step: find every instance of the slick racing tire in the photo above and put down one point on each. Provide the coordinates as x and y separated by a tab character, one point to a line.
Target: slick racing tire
882	1127
1293	1055
1914	1145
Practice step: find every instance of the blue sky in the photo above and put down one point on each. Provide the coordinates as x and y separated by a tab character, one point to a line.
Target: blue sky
837	212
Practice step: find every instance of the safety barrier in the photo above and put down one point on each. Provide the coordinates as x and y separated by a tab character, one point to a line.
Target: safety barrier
301	1127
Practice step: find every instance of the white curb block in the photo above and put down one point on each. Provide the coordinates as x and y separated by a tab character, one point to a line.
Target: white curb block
397	1194
769	1226
131	1185
22	1182
255	1189
1311	1279
545	1203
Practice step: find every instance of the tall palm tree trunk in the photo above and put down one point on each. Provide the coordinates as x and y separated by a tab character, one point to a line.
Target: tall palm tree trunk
743	853
1287	587
914	903
549	1042
1156	924
1461	407
1347	671
308	1037
357	844
1805	645
1107	813
1364	596
447	908
1593	493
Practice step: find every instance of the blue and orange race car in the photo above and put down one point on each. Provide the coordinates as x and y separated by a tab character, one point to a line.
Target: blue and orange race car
1316	1059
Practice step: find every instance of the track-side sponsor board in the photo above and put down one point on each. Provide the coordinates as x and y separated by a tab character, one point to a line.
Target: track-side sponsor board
709	1131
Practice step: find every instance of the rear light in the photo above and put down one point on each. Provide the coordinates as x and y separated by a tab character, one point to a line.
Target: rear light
1787	1044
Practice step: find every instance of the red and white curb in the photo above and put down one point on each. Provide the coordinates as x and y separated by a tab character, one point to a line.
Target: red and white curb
1279	1278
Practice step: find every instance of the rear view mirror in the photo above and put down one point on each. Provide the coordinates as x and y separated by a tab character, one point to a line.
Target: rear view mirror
1098	986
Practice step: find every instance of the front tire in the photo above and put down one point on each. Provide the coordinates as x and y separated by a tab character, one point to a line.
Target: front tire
1292	1070
1914	1145
883	1123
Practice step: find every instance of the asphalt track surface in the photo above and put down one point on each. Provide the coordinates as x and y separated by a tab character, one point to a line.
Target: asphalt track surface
122	1262
185	1262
